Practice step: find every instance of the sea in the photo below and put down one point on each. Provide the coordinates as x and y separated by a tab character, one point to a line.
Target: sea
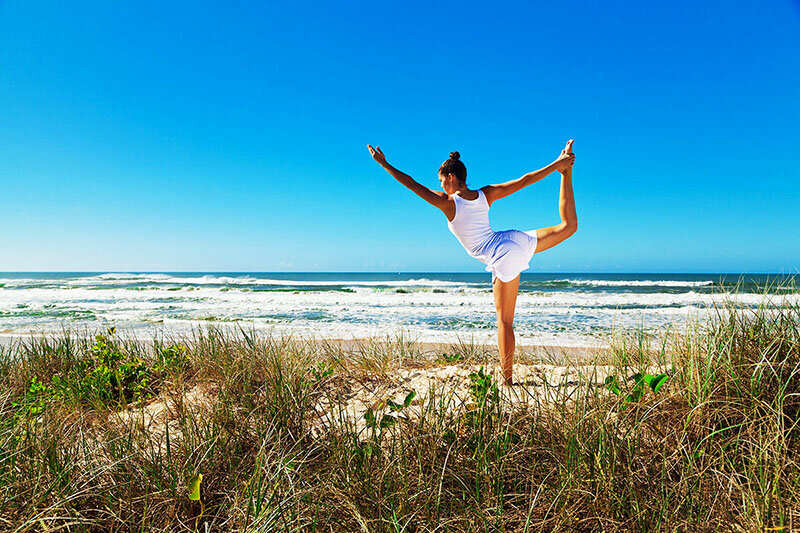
556	309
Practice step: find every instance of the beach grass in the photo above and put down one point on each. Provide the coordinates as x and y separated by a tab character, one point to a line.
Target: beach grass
232	430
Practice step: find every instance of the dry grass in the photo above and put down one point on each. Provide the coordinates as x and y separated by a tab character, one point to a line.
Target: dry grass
276	427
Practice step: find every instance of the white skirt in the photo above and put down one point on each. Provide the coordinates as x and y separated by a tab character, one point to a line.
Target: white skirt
508	253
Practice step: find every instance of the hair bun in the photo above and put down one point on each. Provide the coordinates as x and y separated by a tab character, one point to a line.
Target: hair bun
454	155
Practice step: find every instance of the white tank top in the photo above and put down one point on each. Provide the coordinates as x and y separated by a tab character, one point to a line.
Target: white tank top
471	224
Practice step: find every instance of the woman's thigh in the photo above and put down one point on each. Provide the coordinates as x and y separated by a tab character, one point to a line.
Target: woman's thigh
548	237
505	299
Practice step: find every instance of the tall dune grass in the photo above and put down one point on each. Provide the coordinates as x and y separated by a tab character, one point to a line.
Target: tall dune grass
263	420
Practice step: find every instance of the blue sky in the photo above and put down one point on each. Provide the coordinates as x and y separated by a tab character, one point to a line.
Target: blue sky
175	136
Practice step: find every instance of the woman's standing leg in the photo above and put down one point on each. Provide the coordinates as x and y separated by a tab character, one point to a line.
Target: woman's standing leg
505	301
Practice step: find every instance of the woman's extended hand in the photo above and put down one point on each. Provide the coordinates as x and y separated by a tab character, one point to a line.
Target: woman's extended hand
377	154
564	161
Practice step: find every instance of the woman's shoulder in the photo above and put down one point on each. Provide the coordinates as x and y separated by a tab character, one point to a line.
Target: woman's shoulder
477	196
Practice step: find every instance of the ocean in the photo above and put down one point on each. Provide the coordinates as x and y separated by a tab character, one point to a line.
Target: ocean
558	309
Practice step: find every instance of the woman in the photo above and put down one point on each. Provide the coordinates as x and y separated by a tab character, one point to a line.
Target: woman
505	253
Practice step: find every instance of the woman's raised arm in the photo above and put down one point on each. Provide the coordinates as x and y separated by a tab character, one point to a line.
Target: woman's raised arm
501	190
435	198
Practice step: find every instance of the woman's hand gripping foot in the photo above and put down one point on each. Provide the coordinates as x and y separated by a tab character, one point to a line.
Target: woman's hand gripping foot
566	159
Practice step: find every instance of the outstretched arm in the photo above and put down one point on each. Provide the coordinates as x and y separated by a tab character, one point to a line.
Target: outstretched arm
501	190
435	198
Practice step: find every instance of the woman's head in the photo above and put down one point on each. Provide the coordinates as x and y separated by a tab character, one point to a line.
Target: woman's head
452	173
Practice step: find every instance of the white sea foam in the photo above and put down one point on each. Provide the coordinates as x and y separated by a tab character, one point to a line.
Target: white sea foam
637	283
119	279
433	309
334	314
125	279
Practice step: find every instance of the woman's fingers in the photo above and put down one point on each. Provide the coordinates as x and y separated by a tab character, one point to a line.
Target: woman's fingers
376	153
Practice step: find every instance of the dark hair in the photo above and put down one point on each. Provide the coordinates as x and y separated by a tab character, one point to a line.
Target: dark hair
454	166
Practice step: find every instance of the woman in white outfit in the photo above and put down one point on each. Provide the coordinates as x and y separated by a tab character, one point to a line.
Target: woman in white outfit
505	253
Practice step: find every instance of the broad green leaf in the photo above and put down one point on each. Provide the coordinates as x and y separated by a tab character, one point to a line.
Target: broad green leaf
394	406
194	487
657	382
409	398
369	416
611	384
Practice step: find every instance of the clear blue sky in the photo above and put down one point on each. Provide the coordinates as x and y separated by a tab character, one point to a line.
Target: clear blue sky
231	136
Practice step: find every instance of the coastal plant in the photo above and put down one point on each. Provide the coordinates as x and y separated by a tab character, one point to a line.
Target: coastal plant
453	357
27	409
108	375
321	370
389	419
171	359
32	402
482	388
641	383
194	494
482	414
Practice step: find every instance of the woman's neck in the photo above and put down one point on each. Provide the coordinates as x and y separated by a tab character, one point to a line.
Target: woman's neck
465	193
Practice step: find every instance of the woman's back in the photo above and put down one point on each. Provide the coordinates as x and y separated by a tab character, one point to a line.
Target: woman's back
471	223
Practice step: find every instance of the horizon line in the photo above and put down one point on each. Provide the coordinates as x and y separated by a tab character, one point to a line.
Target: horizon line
796	272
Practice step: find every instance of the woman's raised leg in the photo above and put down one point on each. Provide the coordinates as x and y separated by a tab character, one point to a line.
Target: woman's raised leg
505	302
549	237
